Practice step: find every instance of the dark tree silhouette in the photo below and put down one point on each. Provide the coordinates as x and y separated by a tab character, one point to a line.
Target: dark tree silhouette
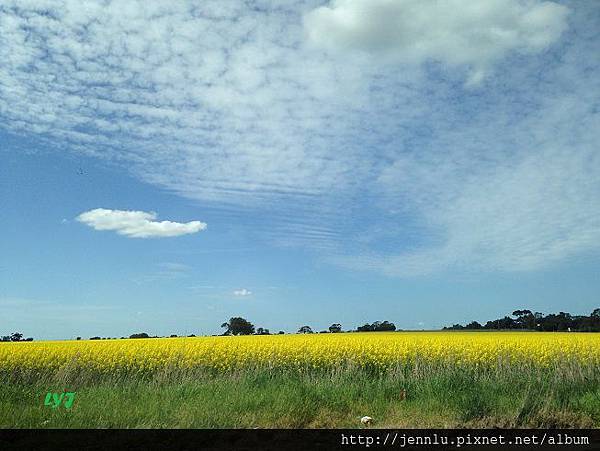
16	336
238	326
305	330
563	321
455	327
335	328
384	326
377	326
262	331
525	319
504	323
140	335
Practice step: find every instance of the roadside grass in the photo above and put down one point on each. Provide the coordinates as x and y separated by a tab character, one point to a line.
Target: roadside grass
267	399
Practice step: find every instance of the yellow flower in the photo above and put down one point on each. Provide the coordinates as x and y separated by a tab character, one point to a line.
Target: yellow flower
381	350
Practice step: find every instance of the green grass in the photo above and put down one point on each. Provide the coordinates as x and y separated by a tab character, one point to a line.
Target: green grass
260	399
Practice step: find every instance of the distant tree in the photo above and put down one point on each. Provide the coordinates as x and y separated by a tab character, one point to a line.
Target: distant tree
29	339
140	335
226	327
191	335
305	330
335	328
78	338
455	327
473	325
525	319
16	336
377	326
281	332
238	326
504	323
594	321
384	326
94	338
173	336
6	338
521	312
262	331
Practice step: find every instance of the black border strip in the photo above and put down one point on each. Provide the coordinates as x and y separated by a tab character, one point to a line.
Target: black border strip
305	439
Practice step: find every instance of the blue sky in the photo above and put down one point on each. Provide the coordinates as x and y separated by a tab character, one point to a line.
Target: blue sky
167	166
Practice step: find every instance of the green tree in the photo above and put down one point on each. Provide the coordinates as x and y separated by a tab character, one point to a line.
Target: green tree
238	326
140	335
525	319
335	328
305	330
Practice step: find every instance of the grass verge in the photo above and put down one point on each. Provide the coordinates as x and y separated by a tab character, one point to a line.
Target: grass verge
266	399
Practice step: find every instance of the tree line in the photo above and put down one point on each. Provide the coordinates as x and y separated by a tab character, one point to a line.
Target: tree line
241	326
528	320
16	336
518	320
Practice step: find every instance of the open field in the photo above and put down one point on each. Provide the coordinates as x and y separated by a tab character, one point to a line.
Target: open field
330	380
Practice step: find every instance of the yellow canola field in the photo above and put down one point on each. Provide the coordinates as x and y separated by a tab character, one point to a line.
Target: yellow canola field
375	350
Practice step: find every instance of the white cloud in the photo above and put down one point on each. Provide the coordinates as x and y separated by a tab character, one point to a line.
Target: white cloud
137	224
210	101
360	153
454	32
242	292
496	202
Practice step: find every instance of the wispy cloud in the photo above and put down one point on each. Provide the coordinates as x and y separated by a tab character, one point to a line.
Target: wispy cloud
174	267
202	287
137	224
243	292
362	144
165	271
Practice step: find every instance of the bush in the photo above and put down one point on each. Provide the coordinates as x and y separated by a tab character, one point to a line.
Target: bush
140	335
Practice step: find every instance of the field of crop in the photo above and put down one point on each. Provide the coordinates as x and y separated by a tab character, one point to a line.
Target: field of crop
321	380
